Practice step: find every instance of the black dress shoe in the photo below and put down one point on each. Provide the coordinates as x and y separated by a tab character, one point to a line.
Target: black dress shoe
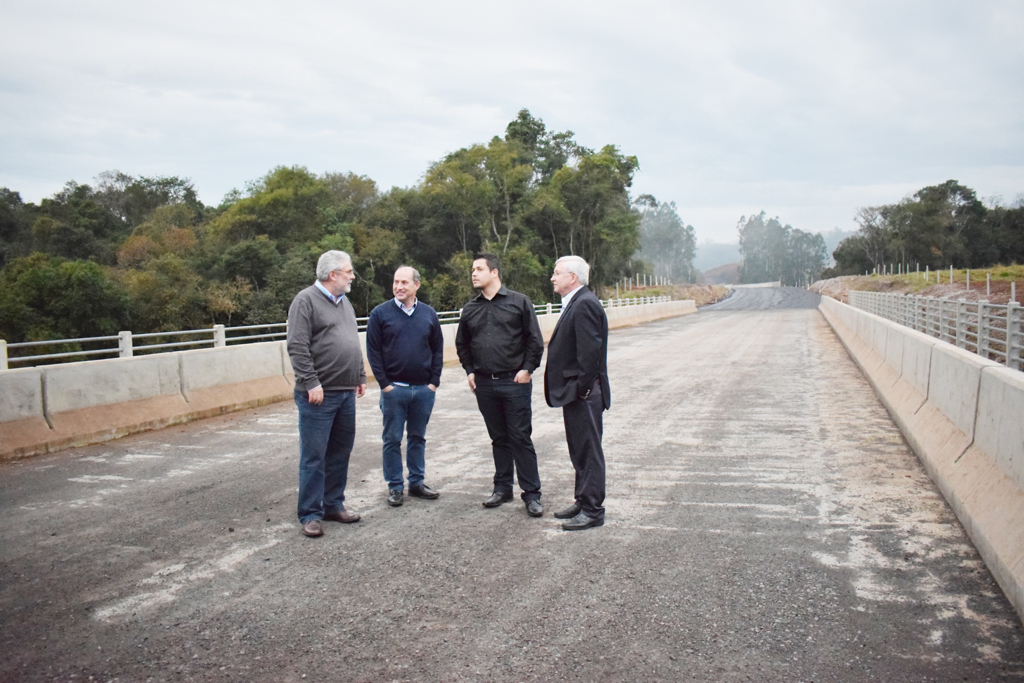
395	497
423	491
581	521
534	508
569	512
497	498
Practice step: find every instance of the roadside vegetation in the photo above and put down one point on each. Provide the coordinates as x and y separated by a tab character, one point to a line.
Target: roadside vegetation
144	254
937	227
992	284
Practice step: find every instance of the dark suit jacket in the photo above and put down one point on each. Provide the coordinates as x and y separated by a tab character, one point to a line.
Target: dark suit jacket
578	352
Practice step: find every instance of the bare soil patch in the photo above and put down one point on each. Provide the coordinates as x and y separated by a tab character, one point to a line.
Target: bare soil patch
703	295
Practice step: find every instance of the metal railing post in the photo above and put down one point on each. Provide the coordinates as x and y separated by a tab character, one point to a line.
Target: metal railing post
3	354
1014	319
124	344
941	319
550	306
220	339
961	323
981	348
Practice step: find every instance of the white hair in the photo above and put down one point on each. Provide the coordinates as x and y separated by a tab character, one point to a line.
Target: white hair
329	262
574	264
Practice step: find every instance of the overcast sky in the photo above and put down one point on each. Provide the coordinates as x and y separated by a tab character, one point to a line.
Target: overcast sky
806	110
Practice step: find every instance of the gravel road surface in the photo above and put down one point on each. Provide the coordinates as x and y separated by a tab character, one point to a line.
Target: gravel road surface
766	521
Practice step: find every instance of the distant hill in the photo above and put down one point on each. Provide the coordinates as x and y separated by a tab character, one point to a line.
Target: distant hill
832	239
729	274
713	254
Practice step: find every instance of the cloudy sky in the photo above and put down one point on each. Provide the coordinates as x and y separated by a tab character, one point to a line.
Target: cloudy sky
806	110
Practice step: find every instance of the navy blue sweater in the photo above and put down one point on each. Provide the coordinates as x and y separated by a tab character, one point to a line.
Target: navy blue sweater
404	348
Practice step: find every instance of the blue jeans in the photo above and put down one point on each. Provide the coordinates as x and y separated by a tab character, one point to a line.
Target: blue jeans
405	407
505	406
326	434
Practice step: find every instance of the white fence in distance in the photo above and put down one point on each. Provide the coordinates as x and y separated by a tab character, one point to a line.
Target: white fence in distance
125	344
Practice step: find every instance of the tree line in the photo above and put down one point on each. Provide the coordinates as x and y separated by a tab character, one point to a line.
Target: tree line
775	252
936	227
144	254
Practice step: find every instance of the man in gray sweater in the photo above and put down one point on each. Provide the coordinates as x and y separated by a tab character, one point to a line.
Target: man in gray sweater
324	348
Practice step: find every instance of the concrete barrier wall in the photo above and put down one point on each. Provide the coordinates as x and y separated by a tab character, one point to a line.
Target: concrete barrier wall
95	401
48	408
21	410
215	381
964	417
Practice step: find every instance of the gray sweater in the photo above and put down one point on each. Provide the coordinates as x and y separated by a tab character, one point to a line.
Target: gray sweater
323	343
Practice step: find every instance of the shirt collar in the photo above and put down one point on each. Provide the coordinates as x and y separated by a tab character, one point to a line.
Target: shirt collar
502	291
568	297
334	299
408	309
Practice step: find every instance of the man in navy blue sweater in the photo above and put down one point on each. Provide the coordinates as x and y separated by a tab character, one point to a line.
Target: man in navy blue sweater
406	351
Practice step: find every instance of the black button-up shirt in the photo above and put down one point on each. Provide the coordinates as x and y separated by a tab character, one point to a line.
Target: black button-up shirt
499	335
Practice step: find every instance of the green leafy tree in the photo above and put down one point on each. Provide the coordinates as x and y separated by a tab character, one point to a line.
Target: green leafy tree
351	196
776	252
1007	225
16	219
460	194
529	197
452	288
165	295
510	178
251	261
285	205
46	297
603	227
132	200
938	226
74	225
547	152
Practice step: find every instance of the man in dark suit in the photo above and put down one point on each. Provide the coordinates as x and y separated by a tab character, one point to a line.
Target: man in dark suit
576	379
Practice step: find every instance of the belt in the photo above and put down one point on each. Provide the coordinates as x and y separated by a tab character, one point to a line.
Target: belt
498	375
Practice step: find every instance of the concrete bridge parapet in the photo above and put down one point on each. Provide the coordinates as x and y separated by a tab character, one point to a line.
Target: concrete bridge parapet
49	408
964	417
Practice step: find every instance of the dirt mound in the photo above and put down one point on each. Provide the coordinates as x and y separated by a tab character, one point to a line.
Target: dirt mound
701	294
729	274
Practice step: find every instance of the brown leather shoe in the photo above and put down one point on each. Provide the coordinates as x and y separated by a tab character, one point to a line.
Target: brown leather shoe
343	516
313	528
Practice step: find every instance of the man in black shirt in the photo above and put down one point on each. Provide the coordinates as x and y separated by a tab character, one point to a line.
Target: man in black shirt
500	345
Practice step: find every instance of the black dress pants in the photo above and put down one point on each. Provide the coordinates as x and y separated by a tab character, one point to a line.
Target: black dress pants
583	431
506	408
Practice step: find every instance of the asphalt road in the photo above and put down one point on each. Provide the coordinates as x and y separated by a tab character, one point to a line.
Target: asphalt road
765	522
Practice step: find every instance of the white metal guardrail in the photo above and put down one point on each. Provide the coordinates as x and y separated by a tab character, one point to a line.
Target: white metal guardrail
128	344
993	331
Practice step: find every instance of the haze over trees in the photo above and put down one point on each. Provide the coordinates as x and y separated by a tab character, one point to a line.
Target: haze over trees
776	252
144	254
936	227
666	242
